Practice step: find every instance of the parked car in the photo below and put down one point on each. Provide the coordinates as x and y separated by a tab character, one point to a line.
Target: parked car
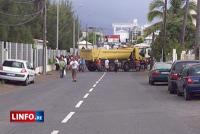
176	68
17	70
159	72
189	81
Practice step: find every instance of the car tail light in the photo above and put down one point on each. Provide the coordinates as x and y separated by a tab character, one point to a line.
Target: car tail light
189	80
174	76
23	70
155	73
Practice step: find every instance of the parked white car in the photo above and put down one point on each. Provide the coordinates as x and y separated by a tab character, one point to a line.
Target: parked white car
17	70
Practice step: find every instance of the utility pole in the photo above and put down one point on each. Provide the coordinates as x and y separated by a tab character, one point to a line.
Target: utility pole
95	36
78	34
164	31
57	28
74	49
86	36
197	38
44	37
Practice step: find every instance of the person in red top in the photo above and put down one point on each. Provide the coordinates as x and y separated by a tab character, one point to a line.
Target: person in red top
98	63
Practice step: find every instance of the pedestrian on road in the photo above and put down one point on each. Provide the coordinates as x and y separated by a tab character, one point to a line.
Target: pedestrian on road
62	67
107	65
98	64
74	66
81	65
116	64
57	63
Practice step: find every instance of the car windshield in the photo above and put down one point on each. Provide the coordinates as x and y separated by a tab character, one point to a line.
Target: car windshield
14	64
163	66
195	71
179	66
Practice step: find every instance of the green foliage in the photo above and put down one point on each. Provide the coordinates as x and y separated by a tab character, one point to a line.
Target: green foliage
91	37
175	13
140	39
13	28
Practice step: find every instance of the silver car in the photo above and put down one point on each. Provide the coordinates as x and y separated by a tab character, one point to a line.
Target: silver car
17	70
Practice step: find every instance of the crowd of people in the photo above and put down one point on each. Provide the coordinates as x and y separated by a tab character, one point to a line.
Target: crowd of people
69	63
105	65
75	63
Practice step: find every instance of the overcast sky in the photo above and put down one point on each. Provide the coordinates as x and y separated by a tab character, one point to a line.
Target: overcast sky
102	13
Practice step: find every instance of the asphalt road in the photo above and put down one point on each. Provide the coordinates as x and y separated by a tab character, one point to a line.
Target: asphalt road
101	103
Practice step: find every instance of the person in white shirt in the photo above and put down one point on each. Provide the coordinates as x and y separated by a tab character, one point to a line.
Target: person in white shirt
107	65
57	63
65	59
74	66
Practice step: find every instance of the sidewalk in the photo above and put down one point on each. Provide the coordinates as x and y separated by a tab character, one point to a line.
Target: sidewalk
13	86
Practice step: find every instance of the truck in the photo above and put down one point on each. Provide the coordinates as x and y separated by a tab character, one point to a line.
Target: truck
129	58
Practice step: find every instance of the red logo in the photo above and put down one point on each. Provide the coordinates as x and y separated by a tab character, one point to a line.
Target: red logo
22	116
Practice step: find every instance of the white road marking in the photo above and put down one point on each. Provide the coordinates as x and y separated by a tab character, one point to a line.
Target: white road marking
86	95
91	89
55	132
97	82
79	104
94	85
66	119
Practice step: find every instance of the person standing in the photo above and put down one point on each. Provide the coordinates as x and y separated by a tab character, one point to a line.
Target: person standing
74	66
81	65
116	64
62	67
57	63
107	65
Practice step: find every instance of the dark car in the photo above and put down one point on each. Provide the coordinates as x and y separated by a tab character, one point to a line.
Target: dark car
176	68
189	81
159	72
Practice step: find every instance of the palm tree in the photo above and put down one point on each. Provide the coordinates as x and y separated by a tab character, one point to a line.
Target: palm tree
182	41
175	11
197	39
156	9
170	18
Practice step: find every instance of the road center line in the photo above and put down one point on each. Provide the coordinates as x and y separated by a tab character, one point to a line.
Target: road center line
91	89
86	95
94	85
66	119
79	104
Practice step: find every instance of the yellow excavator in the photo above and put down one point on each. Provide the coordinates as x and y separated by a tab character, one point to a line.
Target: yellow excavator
128	57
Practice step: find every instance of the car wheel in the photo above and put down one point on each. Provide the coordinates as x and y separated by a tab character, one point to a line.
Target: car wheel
171	91
33	81
151	82
26	81
187	95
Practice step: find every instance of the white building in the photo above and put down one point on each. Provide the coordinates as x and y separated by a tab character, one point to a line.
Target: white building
126	29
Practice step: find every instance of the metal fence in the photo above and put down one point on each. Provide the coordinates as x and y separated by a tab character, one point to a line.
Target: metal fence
9	50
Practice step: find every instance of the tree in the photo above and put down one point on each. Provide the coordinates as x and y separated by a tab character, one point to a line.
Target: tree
22	22
174	23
